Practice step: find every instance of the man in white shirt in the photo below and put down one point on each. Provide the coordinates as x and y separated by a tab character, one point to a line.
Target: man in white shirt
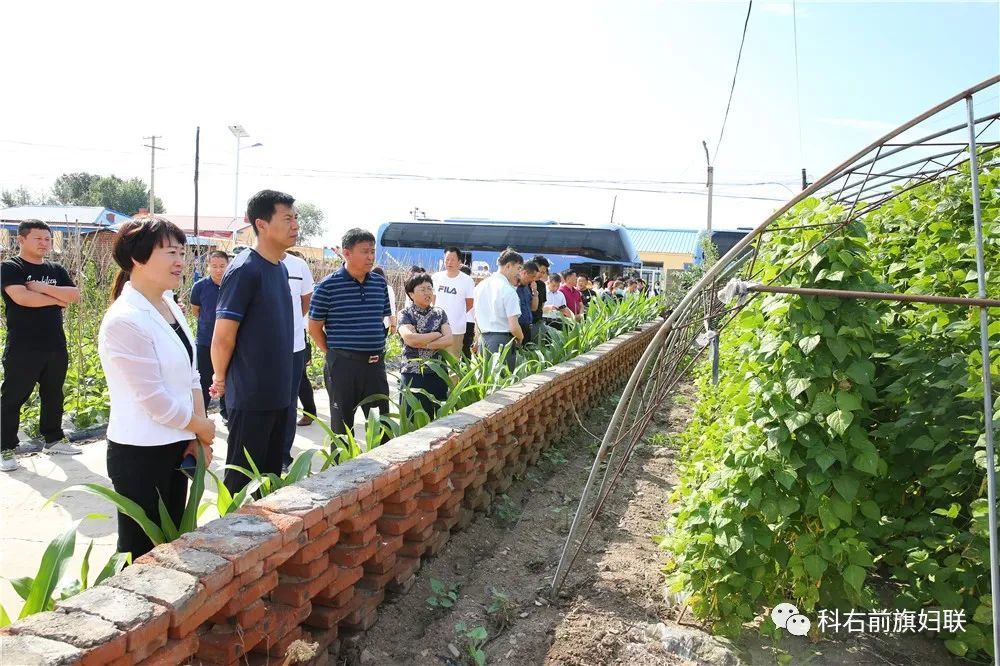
498	308
453	293
300	287
555	307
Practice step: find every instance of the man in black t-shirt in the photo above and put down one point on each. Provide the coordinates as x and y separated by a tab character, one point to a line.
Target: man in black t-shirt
253	340
35	292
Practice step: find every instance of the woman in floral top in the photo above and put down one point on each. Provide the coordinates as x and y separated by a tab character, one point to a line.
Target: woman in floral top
424	330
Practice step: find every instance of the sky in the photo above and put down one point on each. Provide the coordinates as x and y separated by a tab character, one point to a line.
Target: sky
371	110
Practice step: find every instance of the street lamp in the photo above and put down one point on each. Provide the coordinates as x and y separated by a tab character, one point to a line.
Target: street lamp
240	134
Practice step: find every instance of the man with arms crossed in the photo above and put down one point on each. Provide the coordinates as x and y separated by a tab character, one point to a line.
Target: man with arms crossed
453	291
252	344
35	292
345	322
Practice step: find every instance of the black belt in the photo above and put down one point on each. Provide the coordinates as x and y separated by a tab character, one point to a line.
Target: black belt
360	356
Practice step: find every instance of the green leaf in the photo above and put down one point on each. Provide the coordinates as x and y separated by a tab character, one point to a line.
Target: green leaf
815	565
866	462
983	614
847	486
797	385
796	420
957	647
85	566
479	634
861	372
839	421
824	459
841	508
808	344
855	577
870	510
848	402
22	586
839	348
823	403
166	522
124	505
115	563
4	618
828	518
50	571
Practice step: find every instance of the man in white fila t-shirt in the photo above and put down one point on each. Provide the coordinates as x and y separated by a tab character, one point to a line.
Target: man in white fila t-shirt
453	292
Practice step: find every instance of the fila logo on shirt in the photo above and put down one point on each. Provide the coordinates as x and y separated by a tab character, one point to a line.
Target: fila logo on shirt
445	289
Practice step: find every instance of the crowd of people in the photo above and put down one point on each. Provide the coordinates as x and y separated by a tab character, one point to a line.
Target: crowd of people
256	314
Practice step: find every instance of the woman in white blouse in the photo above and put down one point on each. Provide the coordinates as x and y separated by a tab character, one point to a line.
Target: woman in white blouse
146	349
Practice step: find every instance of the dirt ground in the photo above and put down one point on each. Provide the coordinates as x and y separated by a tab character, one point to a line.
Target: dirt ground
500	568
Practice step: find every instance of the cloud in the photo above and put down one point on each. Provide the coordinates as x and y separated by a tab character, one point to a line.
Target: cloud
860	124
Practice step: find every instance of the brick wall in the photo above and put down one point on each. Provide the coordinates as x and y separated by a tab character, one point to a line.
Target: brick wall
316	559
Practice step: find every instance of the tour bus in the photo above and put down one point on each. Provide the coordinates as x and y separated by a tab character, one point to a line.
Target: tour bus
724	240
592	249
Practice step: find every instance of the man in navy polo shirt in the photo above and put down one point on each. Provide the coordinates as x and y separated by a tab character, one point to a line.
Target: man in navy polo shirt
204	297
345	322
252	345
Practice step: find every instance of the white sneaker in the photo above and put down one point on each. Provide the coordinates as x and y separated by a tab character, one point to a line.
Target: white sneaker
8	463
63	448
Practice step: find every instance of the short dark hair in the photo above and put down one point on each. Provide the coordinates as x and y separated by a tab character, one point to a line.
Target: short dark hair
541	261
25	227
452	248
263	205
465	269
566	273
530	266
135	241
355	236
509	256
379	270
218	254
416	280
554	277
633	281
416	269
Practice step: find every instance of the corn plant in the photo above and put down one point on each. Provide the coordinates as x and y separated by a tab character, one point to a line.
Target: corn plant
226	502
41	591
165	530
267	483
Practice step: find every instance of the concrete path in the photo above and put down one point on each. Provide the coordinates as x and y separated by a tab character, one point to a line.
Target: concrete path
27	524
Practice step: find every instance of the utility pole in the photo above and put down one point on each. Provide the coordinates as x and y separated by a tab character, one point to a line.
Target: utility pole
152	167
197	160
805	183
711	171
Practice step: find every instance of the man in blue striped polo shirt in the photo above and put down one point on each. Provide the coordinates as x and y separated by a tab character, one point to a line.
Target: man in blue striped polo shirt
345	322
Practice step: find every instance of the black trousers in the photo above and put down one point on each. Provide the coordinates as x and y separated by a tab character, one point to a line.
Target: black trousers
348	382
470	335
144	474
262	433
22	369
428	381
205	370
306	396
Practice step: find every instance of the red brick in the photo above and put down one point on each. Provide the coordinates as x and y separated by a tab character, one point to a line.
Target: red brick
414	549
317	529
365	488
389	488
296	592
369	501
445	524
238	551
345	578
405	492
436	487
326	617
174	652
282	620
247	617
437	542
249	594
280	647
345	512
405	567
252	575
211	606
361	521
316	548
419	531
323	637
224	644
400	508
388	545
395	525
124	660
375	581
352	556
289	526
361	620
283	555
369	604
307	570
383	565
362	538
211	570
432	502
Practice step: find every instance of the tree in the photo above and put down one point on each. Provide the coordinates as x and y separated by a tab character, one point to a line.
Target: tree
22	196
86	189
311	221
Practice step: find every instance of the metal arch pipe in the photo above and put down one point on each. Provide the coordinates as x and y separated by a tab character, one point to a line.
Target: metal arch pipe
984	343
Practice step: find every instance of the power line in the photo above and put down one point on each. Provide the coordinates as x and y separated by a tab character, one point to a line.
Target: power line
732	88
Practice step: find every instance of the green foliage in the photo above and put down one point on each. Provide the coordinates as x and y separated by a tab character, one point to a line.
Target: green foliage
443	595
86	189
311	221
506	511
844	439
472	641
41	591
501	611
267	483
